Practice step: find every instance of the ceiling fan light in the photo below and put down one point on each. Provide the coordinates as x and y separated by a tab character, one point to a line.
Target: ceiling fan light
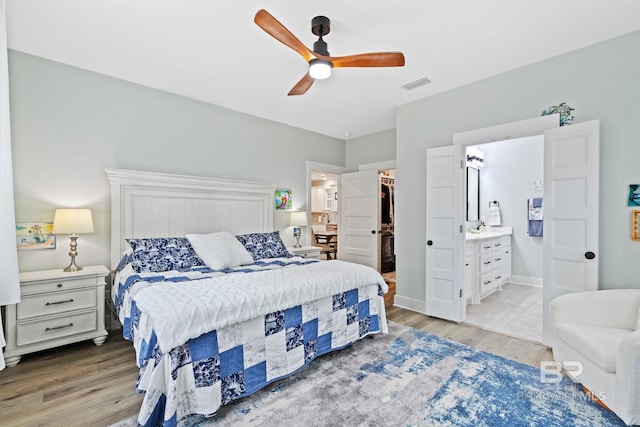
320	69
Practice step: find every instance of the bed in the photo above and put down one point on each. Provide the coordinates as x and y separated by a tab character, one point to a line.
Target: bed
215	306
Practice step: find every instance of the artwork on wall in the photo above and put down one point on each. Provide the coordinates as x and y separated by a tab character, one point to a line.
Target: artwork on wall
284	199
635	224
35	235
634	195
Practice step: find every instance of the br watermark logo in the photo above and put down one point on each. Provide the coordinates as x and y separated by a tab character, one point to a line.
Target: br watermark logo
551	373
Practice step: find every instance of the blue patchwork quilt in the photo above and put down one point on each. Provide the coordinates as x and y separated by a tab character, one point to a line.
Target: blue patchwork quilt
204	338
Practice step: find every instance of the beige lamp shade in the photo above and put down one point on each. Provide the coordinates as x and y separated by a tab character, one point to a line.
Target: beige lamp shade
298	219
70	221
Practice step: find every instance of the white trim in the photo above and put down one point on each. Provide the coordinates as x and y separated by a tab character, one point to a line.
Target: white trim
514	130
385	165
409	304
526	280
324	167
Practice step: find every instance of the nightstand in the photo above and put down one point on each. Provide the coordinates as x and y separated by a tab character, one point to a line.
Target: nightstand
55	308
306	251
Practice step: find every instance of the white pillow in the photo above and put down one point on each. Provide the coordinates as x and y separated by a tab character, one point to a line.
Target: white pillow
220	250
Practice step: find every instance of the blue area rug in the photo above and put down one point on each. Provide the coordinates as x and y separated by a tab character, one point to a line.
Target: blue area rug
413	378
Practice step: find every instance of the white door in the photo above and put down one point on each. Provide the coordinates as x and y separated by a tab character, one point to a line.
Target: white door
570	212
358	231
445	233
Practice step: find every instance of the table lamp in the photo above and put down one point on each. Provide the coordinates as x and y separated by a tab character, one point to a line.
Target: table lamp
73	221
298	219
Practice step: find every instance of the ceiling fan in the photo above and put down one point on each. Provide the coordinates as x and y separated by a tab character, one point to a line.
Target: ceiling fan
320	63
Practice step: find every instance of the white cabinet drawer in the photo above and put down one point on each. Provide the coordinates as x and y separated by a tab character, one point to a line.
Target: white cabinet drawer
496	274
56	302
505	241
485	263
497	259
486	246
57	285
486	281
57	327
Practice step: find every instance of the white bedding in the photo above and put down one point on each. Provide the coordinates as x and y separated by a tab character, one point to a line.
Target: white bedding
213	303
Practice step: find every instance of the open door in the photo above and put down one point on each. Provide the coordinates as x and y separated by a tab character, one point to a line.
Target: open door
445	233
358	231
571	199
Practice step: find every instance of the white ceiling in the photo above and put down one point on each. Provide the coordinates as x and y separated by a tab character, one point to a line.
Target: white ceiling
212	51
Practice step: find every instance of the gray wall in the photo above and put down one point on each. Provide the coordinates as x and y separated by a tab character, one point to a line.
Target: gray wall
509	171
69	124
374	148
600	82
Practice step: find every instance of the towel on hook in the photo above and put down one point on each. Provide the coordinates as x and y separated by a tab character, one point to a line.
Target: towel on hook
535	208
494	216
535	216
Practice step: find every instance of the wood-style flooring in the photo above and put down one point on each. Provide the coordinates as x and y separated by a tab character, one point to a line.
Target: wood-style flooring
86	385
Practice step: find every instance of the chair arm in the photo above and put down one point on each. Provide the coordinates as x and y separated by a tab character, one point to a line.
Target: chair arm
613	308
628	379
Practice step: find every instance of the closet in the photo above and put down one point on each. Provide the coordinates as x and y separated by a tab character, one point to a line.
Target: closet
387	229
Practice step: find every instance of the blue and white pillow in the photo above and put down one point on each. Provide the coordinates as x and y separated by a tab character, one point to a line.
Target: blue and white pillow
264	245
154	255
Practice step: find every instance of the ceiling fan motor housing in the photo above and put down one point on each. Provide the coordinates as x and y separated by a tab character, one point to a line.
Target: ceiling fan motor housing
320	26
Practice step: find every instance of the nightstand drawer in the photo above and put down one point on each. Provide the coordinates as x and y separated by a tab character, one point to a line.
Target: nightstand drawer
57	285
58	327
57	302
306	251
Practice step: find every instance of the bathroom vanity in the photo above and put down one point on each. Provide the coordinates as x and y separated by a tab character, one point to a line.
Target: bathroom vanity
487	262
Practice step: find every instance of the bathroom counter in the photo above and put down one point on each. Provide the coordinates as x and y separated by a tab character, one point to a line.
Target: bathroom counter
491	233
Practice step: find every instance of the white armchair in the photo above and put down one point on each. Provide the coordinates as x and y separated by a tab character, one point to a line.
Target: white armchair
601	330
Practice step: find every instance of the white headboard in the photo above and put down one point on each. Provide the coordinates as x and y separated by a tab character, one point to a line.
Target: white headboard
150	204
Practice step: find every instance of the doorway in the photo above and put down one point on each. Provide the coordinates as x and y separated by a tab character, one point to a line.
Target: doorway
570	244
386	232
324	212
510	175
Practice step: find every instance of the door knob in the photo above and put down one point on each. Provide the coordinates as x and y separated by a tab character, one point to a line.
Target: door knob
589	255
373	231
429	243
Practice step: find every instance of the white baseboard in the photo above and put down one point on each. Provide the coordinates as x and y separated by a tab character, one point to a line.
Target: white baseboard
525	280
409	303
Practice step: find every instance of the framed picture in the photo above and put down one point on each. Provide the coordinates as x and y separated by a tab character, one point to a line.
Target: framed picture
634	195
284	199
35	235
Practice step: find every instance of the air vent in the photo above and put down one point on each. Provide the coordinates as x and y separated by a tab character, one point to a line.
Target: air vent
420	82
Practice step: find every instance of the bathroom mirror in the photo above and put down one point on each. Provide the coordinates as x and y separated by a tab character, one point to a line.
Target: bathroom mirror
473	194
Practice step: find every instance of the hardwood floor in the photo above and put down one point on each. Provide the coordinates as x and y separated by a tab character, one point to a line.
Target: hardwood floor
76	385
87	385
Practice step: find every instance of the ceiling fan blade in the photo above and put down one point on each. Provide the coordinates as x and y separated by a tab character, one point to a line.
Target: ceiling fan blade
376	59
302	86
279	32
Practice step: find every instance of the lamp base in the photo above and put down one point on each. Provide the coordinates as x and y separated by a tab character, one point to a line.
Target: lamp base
297	245
72	267
72	254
